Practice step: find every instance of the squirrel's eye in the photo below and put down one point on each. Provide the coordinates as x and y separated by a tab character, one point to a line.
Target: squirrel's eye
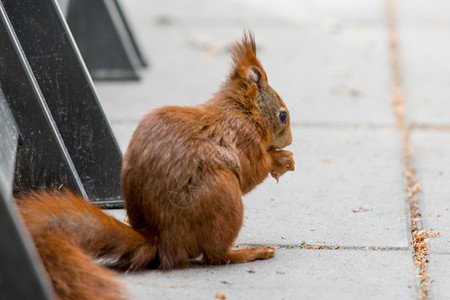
283	116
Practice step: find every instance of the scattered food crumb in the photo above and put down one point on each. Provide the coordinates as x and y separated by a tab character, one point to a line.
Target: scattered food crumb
337	246
280	272
366	249
173	287
399	106
326	160
420	245
126	220
251	271
413	190
409	174
302	243
220	296
362	209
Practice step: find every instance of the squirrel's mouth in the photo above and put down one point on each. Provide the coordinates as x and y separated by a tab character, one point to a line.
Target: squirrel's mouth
280	145
272	148
281	141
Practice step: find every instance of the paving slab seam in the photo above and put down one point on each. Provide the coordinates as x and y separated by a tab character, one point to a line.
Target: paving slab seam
441	253
419	235
328	247
344	125
428	127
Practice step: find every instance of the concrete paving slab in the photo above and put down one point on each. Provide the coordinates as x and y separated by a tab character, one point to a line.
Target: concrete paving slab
352	79
241	11
291	274
348	189
432	164
419	14
350	83
426	76
439	276
359	94
329	60
123	131
422	31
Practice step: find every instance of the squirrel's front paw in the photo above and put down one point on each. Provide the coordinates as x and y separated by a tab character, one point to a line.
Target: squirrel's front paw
282	161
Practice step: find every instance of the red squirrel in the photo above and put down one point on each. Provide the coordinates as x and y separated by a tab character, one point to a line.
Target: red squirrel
183	177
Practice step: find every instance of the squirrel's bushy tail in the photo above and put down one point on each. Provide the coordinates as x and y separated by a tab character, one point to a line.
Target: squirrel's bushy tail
72	273
70	233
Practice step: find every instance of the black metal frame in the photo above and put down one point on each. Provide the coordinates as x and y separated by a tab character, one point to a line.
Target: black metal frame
53	132
68	133
21	274
105	39
42	158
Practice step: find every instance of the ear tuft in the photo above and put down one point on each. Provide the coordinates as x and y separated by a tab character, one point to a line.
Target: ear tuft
249	40
246	65
244	51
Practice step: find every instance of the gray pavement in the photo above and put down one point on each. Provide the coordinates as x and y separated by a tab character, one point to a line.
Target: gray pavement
331	63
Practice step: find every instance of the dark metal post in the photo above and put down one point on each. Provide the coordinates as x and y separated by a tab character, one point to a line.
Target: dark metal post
21	274
105	39
42	158
70	95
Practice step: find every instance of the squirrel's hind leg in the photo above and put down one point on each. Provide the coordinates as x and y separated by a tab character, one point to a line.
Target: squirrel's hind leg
222	227
235	256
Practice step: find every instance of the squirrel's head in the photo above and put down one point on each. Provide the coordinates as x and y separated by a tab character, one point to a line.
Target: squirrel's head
265	104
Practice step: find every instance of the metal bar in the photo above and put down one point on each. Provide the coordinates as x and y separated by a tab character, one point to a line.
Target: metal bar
22	275
131	36
64	6
105	39
9	136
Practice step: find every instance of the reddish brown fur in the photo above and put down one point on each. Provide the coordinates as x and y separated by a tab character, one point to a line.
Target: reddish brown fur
183	177
187	168
69	232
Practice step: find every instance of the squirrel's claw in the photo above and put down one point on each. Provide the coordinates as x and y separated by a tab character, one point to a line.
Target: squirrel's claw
283	161
276	175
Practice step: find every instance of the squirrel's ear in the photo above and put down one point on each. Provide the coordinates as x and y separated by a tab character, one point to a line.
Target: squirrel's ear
253	75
